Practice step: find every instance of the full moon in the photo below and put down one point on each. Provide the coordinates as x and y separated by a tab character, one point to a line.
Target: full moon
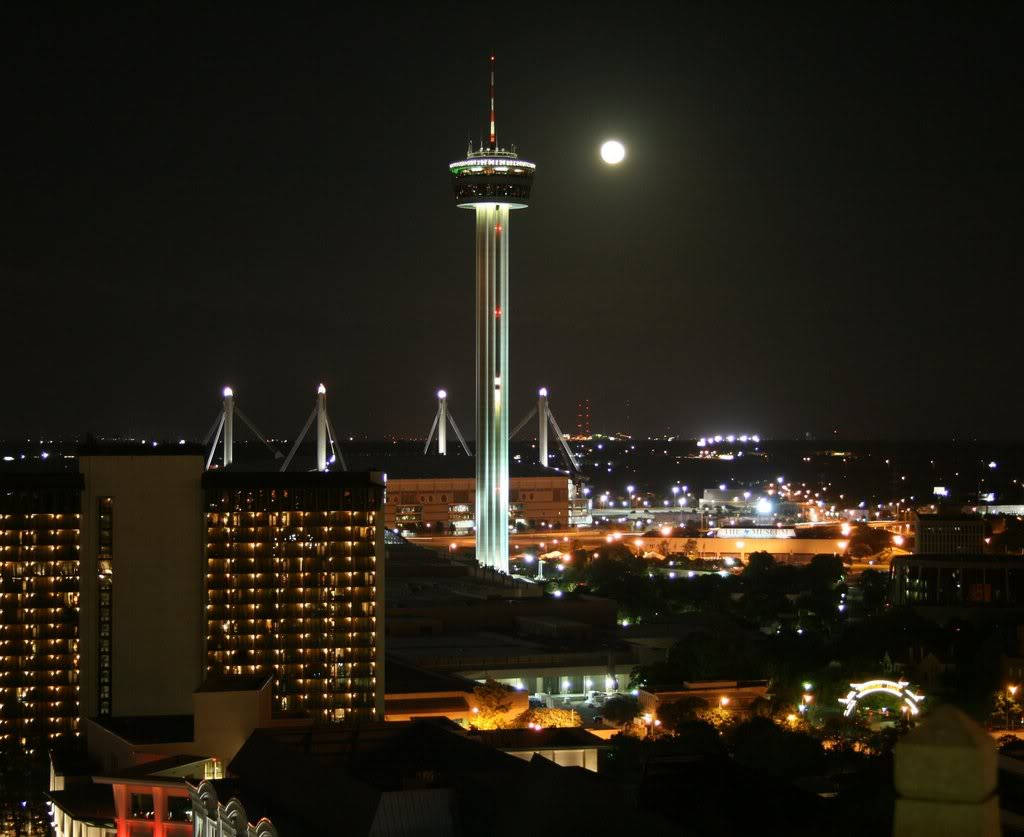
613	152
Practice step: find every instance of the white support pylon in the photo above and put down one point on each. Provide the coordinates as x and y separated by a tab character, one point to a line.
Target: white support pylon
542	426
224	426
442	418
324	435
229	426
442	422
545	418
321	428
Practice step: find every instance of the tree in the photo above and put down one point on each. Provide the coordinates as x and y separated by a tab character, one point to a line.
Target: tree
873	587
761	744
621	709
825	571
758	563
699	738
675	715
492	703
549	717
726	654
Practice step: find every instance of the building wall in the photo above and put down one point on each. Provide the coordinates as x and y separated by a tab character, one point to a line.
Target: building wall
949	537
294	590
156	548
445	502
39	594
795	549
65	825
224	720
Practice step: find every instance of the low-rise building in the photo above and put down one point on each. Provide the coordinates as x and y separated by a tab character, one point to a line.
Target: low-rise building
949	534
957	584
735	696
565	746
420	777
441	496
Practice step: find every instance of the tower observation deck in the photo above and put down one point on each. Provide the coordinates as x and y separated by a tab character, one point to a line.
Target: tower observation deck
492	181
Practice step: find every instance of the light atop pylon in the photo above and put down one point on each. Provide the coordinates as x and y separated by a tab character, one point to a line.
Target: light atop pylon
543	392
228	392
321	390
442	394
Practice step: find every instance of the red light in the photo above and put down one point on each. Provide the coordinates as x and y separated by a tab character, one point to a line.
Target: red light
497	312
497	228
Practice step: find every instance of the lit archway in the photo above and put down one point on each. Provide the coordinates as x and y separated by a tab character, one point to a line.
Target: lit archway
898	689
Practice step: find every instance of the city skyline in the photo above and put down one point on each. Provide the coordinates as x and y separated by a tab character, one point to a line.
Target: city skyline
790	246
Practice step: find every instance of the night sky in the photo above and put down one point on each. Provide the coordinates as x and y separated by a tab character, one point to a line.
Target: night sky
817	227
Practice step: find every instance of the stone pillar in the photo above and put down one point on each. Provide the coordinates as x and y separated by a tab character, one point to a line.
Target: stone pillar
945	775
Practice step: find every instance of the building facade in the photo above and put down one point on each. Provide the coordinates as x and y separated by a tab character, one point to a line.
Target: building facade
142	579
446	504
939	534
39	597
956	582
295	567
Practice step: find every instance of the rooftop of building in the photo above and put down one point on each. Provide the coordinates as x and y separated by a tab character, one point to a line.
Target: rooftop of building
403	678
525	740
948	516
975	559
239	477
458	466
87	802
176	767
490	649
308	780
149	729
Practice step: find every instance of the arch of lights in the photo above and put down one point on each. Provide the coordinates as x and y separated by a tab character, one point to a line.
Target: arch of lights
898	689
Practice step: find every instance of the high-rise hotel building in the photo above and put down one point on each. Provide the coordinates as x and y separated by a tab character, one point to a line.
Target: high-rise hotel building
39	590
294	568
124	583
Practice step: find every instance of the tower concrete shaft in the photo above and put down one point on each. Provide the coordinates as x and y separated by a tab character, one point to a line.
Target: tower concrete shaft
492	384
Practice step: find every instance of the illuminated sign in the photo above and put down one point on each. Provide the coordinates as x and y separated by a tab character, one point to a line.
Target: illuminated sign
898	690
755	533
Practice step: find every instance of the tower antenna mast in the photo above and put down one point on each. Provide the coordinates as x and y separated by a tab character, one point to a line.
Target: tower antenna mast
494	136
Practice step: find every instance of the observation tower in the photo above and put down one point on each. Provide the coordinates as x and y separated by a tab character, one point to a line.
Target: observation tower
492	181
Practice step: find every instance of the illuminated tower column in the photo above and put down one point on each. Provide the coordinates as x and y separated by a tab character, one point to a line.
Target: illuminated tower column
542	428
492	181
492	385
321	428
229	426
442	422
